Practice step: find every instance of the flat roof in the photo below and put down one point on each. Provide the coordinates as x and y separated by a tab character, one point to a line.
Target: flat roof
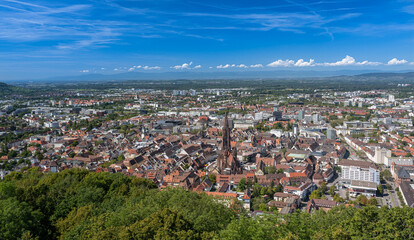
363	184
362	164
297	155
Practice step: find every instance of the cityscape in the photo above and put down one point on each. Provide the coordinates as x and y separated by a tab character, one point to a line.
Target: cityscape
268	154
127	119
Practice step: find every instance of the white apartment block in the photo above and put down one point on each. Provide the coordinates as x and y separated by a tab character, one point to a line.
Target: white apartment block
359	170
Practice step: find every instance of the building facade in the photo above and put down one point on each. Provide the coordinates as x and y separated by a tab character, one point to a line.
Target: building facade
358	170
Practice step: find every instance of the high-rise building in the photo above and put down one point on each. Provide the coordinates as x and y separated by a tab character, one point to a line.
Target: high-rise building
301	115
359	170
277	115
331	133
361	177
258	116
347	103
315	118
295	129
388	121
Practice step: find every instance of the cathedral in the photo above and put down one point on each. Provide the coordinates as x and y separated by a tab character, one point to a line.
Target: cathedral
227	162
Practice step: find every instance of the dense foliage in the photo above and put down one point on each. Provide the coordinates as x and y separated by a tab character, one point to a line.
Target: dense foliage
77	204
6	89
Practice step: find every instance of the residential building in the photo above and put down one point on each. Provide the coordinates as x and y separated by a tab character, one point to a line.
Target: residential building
358	170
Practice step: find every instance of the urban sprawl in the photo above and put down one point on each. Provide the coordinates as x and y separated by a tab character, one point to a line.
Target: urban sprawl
270	154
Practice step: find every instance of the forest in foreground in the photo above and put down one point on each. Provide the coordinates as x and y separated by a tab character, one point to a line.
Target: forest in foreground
78	204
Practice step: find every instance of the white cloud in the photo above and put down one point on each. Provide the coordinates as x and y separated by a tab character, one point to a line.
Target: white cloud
347	61
84	71
302	63
395	61
186	66
232	66
183	66
224	66
138	67
369	63
350	61
134	68
281	63
151	68
256	66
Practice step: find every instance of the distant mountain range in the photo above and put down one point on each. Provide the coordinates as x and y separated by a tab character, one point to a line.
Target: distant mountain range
248	74
207	75
365	75
406	75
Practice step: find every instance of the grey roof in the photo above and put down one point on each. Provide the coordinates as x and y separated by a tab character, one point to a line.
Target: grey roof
361	164
408	192
402	173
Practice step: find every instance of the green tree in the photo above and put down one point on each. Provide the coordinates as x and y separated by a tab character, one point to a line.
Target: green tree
74	144
263	191
4	149
165	224
39	156
121	157
316	194
380	189
372	201
74	217
12	154
280	170
270	169
212	178
248	228
323	188
336	198
17	218
332	190
279	188
242	184
249	183
363	200
387	174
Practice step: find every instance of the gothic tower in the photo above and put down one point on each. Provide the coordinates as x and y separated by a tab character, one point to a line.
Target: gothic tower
227	162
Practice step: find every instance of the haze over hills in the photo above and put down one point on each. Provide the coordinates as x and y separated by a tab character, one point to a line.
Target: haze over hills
354	74
187	75
7	89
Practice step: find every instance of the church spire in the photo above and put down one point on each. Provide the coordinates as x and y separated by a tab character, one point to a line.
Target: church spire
226	134
227	162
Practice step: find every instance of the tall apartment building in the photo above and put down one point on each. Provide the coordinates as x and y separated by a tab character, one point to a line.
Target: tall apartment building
331	133
359	171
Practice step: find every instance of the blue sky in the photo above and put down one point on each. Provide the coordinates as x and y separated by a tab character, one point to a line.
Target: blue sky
40	38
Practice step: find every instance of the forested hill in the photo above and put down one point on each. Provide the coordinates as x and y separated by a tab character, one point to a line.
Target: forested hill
78	204
407	75
6	89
